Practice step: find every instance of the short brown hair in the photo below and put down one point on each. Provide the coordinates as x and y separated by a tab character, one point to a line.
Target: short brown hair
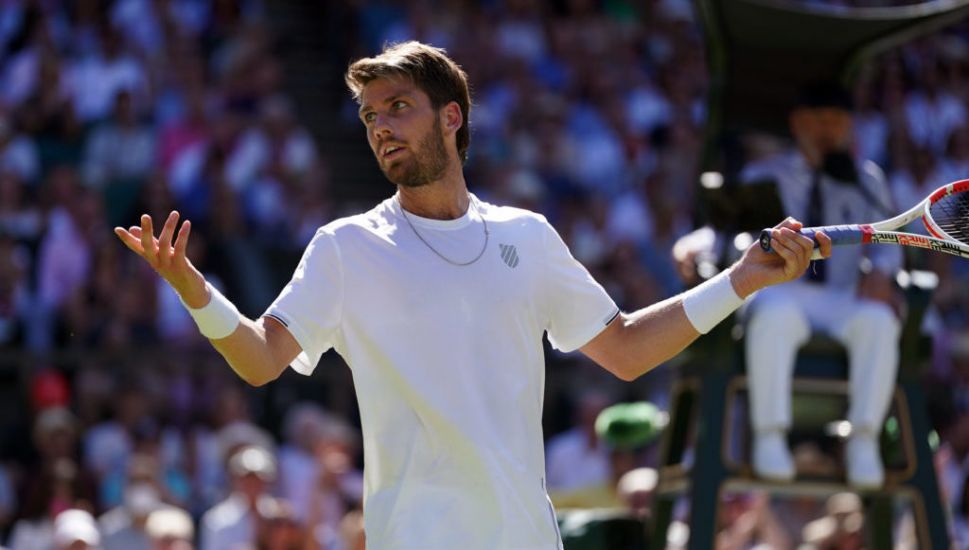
431	70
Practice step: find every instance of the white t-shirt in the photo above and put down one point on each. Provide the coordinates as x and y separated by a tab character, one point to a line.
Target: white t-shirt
447	363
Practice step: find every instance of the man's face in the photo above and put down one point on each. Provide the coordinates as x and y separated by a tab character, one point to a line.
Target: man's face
404	132
825	129
251	485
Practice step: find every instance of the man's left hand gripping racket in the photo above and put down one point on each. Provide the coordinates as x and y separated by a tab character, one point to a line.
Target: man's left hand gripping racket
945	213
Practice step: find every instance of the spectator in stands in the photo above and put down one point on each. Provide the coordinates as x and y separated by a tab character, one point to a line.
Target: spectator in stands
234	521
146	468
170	528
15	300
53	482
577	459
955	165
48	115
960	518
18	153
351	530
871	126
281	529
636	488
312	207
142	24
74	529
95	80
186	130
120	155
105	314
66	251
747	521
952	456
627	432
108	445
226	426
303	428
20	218
124	527
932	111
51	490
31	42
339	485
202	171
276	156
840	528
913	179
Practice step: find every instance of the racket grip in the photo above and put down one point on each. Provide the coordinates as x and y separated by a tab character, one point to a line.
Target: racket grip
765	239
840	234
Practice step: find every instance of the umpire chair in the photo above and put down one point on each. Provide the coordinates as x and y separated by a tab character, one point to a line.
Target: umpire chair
708	388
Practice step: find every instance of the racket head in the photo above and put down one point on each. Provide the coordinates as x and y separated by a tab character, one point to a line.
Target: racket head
946	214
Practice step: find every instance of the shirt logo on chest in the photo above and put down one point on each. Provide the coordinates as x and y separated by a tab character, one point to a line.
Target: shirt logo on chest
509	254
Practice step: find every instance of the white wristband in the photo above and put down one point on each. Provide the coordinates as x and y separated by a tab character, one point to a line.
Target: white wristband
218	318
711	302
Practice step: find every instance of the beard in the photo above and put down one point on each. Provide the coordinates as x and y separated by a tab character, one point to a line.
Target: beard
424	165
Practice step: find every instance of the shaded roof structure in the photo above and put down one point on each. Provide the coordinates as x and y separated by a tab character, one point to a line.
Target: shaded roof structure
761	52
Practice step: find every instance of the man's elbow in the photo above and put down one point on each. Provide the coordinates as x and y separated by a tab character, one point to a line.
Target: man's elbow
627	376
257	382
627	371
260	378
613	359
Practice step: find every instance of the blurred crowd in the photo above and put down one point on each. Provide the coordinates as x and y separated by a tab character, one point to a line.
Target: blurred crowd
120	429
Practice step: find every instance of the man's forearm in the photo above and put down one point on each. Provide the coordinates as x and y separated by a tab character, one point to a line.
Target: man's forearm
636	342
653	335
658	332
255	351
639	341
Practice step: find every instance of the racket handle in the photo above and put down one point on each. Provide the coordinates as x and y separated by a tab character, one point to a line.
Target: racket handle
840	234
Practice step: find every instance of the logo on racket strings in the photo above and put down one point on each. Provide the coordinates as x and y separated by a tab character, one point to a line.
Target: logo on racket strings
509	254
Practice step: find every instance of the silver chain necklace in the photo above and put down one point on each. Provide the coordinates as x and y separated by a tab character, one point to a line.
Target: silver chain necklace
442	256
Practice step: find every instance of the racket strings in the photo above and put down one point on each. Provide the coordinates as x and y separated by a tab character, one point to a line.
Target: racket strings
951	214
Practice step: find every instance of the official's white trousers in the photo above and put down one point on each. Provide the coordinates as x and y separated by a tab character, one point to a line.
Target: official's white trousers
780	319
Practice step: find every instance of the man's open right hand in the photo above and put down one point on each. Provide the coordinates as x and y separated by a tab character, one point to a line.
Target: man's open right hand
167	259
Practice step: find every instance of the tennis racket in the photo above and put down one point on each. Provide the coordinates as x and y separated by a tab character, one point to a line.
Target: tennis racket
945	213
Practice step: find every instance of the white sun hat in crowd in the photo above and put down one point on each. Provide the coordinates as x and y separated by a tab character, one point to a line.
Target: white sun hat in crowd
170	523
75	525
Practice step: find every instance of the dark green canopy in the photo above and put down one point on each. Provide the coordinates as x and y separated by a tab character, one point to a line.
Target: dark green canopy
762	52
761	55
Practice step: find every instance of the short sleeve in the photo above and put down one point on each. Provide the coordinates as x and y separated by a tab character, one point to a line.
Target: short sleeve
577	306
310	305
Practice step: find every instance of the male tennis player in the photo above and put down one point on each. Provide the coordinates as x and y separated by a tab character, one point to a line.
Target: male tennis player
438	302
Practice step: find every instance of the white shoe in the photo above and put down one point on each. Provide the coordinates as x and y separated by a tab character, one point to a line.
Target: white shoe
772	457
863	462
